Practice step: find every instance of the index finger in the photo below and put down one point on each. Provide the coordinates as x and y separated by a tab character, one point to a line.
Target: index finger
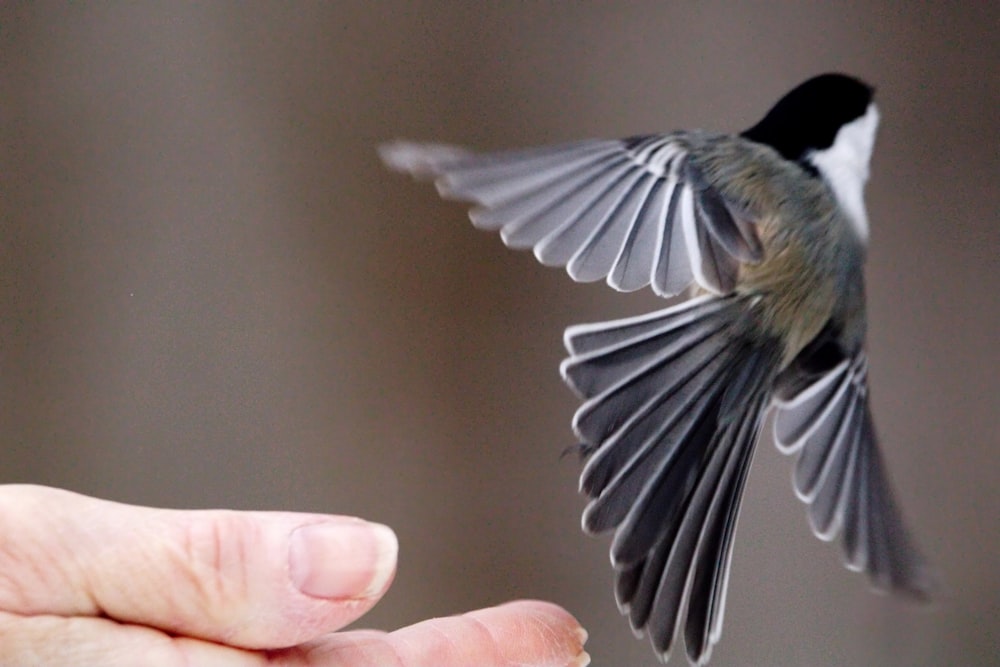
521	634
526	633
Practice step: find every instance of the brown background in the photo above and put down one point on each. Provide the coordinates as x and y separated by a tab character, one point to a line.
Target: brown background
211	294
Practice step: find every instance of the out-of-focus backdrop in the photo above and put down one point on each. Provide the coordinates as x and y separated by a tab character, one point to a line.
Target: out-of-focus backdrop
212	294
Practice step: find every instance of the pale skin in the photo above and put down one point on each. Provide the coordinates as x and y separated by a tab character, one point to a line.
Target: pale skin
86	581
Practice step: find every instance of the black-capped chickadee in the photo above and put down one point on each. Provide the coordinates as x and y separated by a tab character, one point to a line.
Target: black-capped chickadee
769	229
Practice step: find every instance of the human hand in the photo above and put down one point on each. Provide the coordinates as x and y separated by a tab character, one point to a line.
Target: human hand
86	581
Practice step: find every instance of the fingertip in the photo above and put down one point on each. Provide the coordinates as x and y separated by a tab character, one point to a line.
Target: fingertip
536	632
547	612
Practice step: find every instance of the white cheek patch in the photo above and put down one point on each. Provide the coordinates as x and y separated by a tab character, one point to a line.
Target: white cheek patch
844	166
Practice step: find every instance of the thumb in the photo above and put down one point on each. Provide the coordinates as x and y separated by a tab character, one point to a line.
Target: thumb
248	579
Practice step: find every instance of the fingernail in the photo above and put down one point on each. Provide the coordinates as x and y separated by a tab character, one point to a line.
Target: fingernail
342	560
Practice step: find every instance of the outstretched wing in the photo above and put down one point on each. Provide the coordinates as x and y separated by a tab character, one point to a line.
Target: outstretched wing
826	418
674	404
633	212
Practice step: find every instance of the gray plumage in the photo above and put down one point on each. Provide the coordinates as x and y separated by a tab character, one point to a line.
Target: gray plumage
674	401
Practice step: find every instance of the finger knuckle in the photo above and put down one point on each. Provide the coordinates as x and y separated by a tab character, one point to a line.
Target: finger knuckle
214	551
28	561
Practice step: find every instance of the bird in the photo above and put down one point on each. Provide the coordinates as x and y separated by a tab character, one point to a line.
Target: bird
763	236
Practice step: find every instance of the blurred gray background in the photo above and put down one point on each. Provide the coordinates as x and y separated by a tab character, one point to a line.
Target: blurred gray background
212	294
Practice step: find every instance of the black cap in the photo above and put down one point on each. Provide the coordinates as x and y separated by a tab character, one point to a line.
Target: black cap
808	118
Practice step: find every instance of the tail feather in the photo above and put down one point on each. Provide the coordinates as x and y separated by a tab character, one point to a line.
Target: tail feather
826	513
675	401
876	538
824	413
817	467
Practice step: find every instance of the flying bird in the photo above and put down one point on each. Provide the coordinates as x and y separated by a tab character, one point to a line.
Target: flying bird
765	232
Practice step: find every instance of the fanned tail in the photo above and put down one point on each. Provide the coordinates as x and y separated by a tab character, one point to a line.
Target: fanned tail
824	414
673	409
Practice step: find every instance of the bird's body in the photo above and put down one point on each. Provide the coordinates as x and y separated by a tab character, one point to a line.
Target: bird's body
768	230
797	265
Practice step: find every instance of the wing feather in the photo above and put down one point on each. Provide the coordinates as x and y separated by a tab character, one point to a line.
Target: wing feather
633	212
